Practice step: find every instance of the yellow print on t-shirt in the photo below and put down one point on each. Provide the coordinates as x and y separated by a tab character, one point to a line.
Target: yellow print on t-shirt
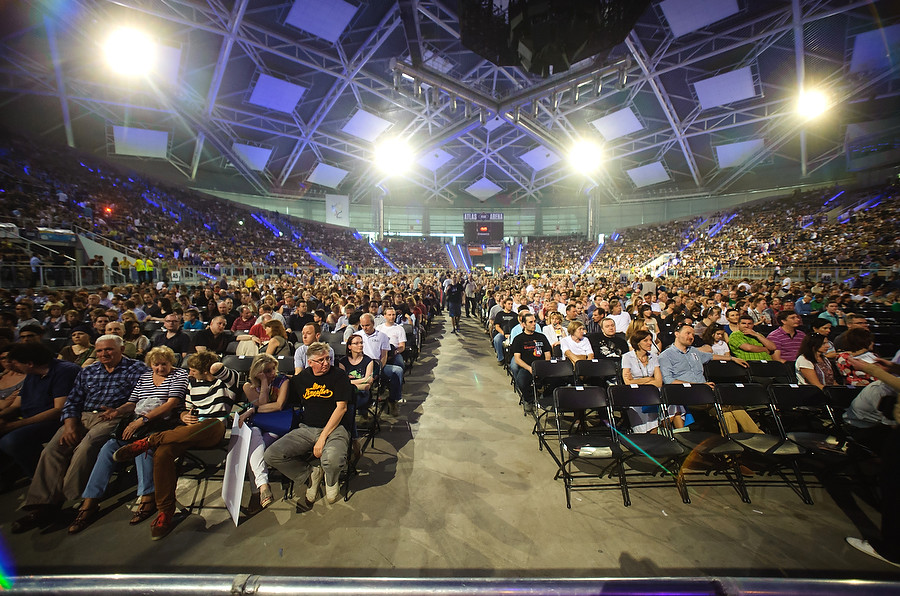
318	391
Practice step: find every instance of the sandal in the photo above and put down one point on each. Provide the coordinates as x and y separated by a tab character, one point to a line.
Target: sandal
84	518
144	511
265	497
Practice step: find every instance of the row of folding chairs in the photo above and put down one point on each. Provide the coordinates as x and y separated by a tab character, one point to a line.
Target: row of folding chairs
805	428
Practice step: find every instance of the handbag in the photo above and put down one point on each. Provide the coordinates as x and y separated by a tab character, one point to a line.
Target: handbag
144	431
278	423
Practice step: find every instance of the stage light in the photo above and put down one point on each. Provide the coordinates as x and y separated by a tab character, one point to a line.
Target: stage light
585	156
130	52
393	156
812	104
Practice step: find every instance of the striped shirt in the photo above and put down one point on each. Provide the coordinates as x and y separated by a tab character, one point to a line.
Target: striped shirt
147	396
789	346
96	388
213	399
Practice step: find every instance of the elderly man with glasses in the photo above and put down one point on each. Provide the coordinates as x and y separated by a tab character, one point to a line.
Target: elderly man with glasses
324	391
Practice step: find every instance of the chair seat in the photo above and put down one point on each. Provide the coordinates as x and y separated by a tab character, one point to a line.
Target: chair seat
817	442
591	447
656	445
768	444
708	443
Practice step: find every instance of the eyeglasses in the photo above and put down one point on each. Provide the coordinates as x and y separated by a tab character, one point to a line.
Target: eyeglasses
319	361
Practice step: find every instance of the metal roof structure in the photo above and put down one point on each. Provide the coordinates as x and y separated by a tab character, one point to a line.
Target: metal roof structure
289	98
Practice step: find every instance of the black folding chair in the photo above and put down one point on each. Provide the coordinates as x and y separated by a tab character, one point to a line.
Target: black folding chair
766	372
721	453
601	372
239	364
546	375
725	371
285	365
652	451
586	455
775	451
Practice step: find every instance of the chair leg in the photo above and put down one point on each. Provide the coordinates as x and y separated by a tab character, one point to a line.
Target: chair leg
623	484
739	478
801	482
682	489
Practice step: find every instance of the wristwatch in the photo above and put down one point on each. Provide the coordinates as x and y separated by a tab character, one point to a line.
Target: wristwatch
145	419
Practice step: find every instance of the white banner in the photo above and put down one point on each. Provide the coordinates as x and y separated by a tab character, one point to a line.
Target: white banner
235	468
337	210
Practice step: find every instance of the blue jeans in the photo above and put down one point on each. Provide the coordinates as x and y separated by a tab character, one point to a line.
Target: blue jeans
499	338
23	445
394	375
105	466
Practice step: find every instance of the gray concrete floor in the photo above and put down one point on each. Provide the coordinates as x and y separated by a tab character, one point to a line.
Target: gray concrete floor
456	486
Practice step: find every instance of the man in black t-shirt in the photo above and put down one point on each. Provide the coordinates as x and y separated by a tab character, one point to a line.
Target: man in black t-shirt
214	338
454	301
173	337
608	343
527	347
504	321
323	391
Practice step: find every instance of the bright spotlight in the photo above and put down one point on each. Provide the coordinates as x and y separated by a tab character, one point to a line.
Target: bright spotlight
585	157
393	156
130	52
812	104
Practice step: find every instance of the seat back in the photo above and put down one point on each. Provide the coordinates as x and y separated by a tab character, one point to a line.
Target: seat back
551	369
232	348
600	372
572	398
285	365
725	371
766	372
688	395
840	396
626	396
796	396
340	349
742	394
239	364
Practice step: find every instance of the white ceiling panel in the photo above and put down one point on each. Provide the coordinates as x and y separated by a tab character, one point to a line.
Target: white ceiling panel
140	142
326	175
323	18
366	126
255	157
483	189
276	94
734	154
433	160
685	16
648	174
618	124
540	158
726	88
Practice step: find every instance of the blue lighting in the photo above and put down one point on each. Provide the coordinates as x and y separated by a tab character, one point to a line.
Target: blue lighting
463	257
383	257
591	259
450	254
834	197
506	260
315	258
518	258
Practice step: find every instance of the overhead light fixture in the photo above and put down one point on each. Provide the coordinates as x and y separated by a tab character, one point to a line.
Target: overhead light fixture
585	156
516	114
534	108
130	52
396	80
556	101
453	103
417	88
575	94
467	110
482	116
623	78
393	156
812	104
598	85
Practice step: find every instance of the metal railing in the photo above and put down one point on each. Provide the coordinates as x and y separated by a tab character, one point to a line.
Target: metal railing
246	584
20	275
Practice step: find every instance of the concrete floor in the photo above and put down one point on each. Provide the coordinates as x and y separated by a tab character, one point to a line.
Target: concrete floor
456	486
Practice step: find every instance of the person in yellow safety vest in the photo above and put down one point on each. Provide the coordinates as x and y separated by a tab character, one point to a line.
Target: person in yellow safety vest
139	269
125	268
148	268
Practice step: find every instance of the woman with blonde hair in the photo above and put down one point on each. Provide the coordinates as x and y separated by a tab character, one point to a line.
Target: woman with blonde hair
267	391
576	346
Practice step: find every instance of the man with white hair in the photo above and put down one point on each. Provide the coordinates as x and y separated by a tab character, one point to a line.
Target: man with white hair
89	416
376	346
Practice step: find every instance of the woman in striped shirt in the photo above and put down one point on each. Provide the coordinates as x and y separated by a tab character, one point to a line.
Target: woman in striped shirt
158	393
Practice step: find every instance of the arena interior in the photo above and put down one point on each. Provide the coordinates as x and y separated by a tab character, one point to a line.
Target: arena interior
436	296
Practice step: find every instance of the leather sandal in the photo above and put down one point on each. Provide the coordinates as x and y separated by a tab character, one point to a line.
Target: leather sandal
144	511
84	518
266	498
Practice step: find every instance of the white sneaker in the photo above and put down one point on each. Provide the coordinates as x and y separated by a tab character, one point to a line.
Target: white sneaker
315	479
864	546
333	493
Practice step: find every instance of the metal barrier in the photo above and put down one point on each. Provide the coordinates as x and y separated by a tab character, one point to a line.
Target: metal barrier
20	275
237	585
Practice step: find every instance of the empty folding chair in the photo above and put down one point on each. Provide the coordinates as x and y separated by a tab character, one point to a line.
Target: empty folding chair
654	451
239	364
586	455
601	372
725	371
807	419
285	365
775	451
766	372
712	448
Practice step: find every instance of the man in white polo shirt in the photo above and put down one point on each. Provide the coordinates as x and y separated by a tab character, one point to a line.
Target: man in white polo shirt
376	346
396	334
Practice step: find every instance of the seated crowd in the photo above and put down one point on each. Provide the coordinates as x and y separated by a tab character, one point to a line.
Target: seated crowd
85	389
